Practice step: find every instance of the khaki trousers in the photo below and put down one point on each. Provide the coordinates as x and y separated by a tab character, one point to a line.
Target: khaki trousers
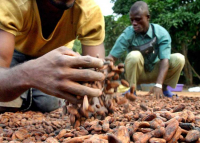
135	73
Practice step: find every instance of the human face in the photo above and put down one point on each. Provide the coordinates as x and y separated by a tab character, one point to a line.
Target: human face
140	21
62	4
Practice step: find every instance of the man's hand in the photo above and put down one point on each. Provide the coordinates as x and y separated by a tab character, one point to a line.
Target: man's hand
157	92
59	71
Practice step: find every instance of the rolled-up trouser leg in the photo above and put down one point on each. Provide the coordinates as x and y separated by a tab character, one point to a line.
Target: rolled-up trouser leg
134	67
176	64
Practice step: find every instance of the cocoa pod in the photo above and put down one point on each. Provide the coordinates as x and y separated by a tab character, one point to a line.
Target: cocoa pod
178	108
130	96
158	133
156	123
124	83
176	136
170	130
157	140
192	136
85	103
122	134
136	136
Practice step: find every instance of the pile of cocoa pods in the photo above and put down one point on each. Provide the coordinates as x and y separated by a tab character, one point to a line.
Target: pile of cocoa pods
100	107
147	120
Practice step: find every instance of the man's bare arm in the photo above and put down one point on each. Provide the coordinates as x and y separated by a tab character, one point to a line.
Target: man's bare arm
94	50
11	80
56	73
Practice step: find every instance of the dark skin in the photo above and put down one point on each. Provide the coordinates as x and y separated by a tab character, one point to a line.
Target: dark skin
140	20
55	73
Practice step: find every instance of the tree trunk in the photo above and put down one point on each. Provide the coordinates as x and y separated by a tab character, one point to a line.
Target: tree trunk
187	69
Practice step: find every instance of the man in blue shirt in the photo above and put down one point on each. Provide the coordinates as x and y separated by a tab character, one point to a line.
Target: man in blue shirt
155	64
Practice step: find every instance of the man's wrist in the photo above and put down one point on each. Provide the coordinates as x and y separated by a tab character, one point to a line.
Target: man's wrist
158	85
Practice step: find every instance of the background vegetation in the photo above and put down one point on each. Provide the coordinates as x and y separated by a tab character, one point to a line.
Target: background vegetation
180	17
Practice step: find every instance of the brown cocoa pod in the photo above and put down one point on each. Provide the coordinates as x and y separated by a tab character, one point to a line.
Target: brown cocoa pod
179	108
144	124
130	96
136	136
149	117
157	140
85	103
170	130
66	135
145	130
187	126
156	123
158	133
105	125
191	117
61	134
111	74
114	84
193	135
144	138
124	83
176	136
143	107
122	134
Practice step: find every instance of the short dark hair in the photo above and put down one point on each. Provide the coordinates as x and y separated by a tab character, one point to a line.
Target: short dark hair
140	6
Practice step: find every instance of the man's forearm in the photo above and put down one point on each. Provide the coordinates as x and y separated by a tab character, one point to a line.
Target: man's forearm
164	66
13	82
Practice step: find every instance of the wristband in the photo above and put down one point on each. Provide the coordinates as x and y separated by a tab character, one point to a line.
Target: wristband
158	85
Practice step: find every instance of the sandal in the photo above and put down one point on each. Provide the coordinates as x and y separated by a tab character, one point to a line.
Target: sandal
168	93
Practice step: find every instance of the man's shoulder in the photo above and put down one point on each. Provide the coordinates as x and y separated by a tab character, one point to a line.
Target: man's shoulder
87	7
129	30
17	3
159	28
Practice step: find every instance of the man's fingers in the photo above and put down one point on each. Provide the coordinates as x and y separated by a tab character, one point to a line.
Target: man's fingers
84	61
66	51
72	99
80	90
84	75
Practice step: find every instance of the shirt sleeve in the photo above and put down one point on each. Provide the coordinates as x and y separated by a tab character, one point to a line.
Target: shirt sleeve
122	43
92	31
164	44
11	19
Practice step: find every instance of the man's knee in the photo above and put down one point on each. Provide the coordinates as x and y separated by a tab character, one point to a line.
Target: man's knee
178	58
134	57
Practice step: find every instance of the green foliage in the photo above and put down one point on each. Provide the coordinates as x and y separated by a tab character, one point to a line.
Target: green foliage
113	29
122	6
77	46
180	18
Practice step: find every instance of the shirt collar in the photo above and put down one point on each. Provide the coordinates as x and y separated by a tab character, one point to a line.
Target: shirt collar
150	31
